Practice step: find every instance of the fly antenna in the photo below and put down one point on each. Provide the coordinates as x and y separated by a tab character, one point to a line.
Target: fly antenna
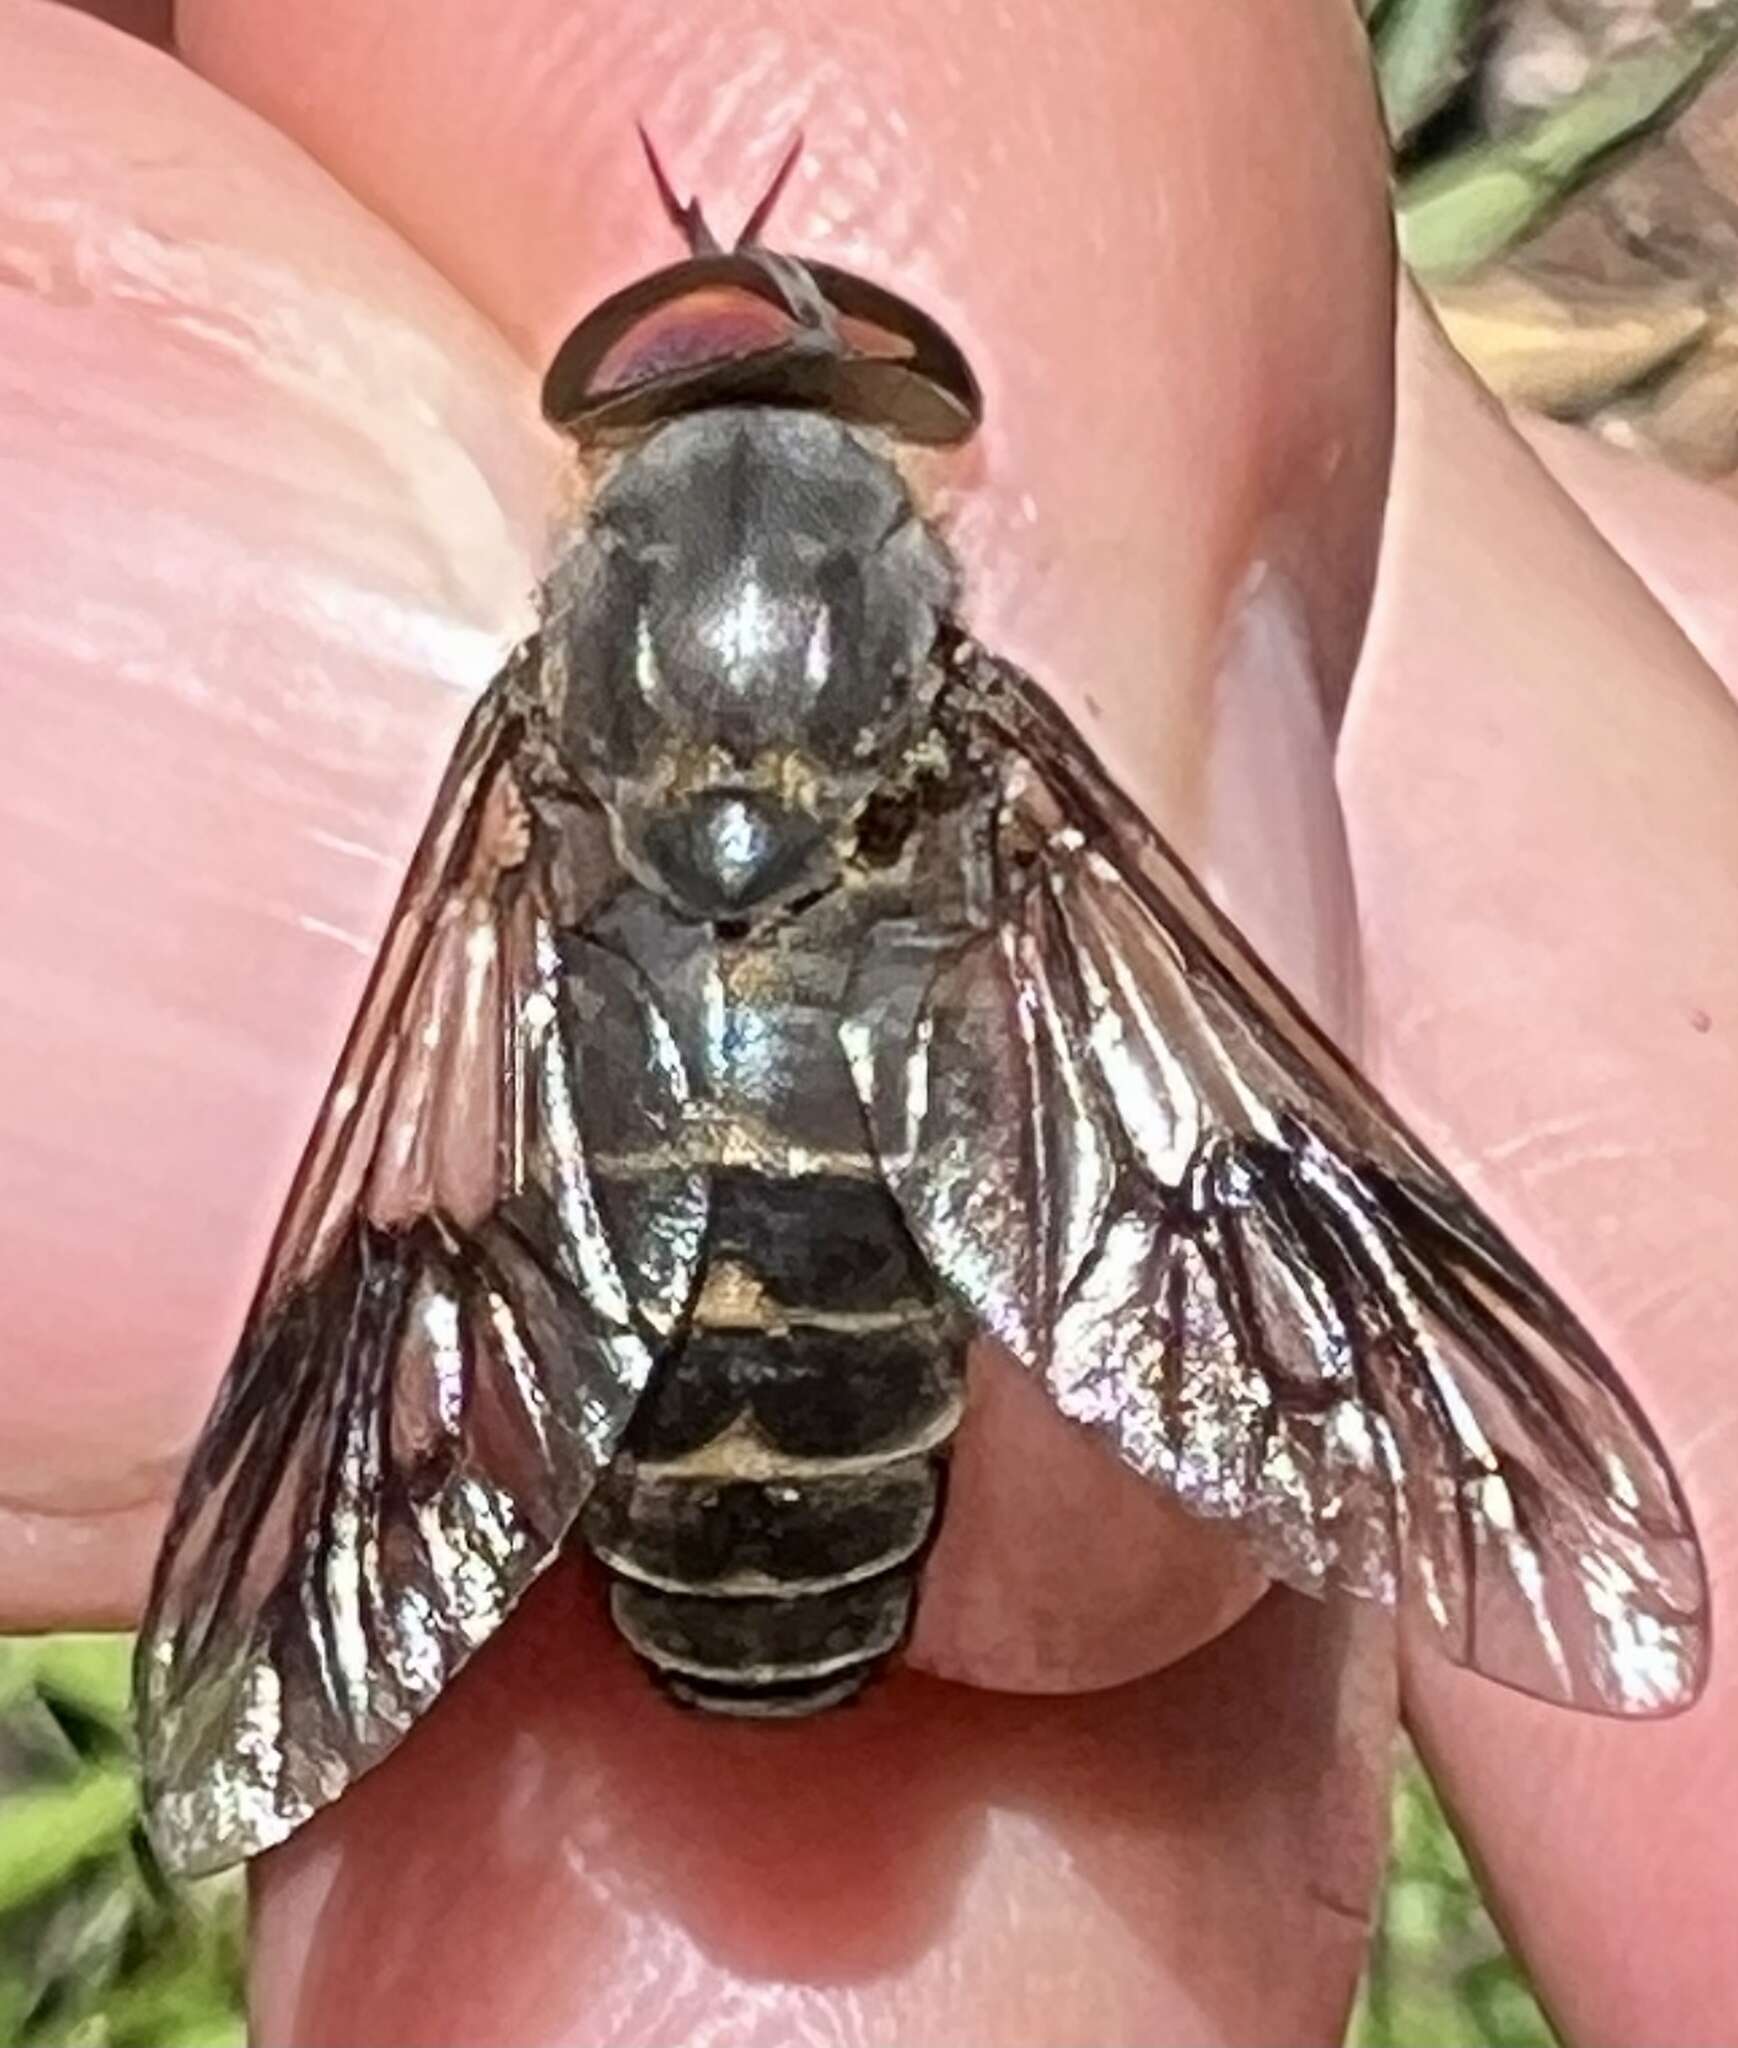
758	219
690	221
687	218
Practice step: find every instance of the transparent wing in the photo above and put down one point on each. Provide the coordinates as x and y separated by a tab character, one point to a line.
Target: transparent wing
1165	1191
452	1329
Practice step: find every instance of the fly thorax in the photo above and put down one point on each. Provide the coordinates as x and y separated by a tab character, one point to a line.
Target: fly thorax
745	621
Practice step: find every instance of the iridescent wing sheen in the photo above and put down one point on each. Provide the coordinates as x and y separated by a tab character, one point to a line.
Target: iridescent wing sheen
1136	1159
447	1342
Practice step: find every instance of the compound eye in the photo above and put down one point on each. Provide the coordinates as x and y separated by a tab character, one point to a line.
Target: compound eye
699	330
754	328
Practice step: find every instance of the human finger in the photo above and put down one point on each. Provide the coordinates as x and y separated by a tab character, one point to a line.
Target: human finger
1539	776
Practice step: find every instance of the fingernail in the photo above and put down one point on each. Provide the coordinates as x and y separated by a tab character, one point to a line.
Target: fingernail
1272	837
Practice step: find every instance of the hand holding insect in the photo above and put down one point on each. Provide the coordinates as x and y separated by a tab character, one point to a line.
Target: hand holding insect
1062	660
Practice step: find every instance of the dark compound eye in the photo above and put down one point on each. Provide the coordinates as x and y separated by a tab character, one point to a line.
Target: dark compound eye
757	328
698	330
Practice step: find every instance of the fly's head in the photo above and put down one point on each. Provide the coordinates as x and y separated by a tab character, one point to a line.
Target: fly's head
746	626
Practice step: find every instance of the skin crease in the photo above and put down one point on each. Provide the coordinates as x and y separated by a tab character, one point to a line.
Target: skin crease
1184	1832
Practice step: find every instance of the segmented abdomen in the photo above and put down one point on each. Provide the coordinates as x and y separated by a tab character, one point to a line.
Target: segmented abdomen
766	1515
783	1473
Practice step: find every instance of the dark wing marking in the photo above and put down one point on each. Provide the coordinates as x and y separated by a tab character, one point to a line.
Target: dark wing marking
445	1347
1153	1178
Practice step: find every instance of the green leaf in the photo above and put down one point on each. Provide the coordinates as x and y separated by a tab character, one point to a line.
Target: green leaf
92	1673
46	1833
1458	214
1424	54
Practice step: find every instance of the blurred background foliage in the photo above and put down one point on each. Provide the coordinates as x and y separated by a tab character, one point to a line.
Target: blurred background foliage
97	1950
1567	192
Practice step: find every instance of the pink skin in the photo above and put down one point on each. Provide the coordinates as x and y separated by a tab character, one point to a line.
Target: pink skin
276	495
1565	823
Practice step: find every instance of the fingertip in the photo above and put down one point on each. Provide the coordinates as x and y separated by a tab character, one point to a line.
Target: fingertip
557	1853
273	497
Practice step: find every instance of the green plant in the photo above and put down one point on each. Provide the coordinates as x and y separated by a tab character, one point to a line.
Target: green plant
97	1950
1471	187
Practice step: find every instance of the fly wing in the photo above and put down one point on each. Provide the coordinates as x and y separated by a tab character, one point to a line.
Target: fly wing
1132	1154
456	1318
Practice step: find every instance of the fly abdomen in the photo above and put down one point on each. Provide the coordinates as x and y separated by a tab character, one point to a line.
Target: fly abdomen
805	1531
782	1477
